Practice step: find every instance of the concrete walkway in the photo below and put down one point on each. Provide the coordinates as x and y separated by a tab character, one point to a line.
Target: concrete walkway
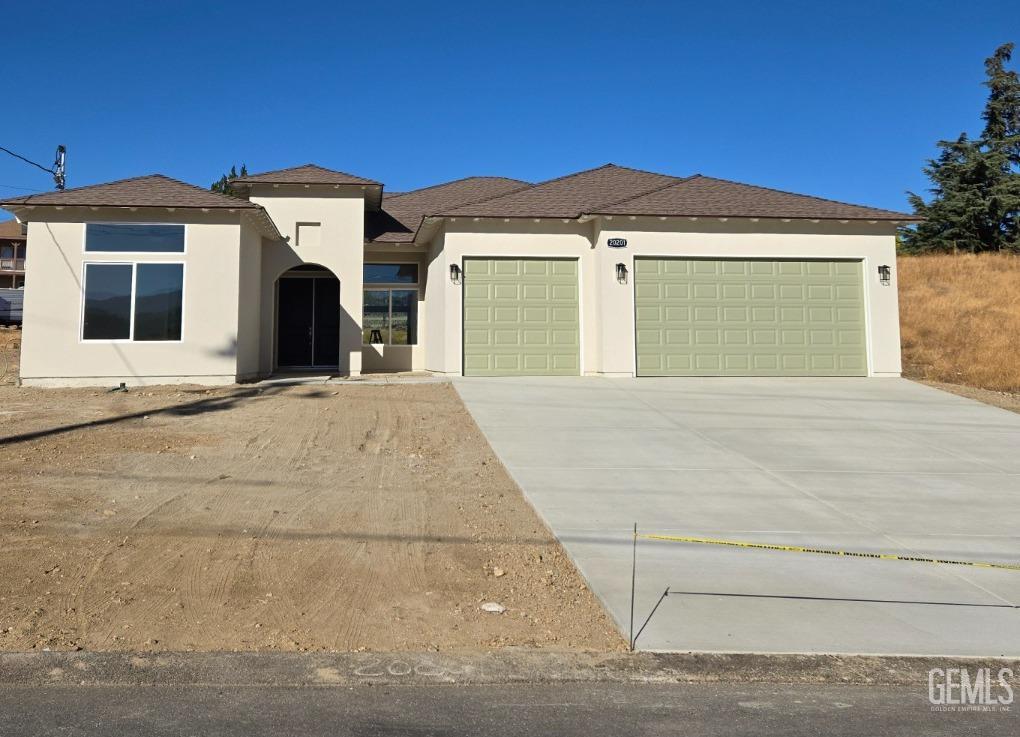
876	465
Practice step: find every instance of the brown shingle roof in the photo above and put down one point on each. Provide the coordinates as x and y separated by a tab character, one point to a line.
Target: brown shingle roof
402	214
11	230
153	190
569	196
709	197
307	174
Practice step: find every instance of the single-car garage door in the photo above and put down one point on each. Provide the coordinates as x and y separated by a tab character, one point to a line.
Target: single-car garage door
701	317
521	317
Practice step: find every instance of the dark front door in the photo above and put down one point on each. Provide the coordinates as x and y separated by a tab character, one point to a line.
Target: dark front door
308	322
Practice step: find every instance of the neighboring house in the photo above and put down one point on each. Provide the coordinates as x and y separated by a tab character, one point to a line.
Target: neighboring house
12	254
610	271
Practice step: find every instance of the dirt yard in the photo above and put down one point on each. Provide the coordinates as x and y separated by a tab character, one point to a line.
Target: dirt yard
329	517
10	350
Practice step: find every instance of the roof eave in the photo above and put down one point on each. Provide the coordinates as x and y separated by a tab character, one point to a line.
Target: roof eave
897	218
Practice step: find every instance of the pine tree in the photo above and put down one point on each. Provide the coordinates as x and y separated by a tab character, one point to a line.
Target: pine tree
222	185
975	204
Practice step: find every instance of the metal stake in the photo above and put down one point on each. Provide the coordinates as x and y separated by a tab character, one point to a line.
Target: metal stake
633	579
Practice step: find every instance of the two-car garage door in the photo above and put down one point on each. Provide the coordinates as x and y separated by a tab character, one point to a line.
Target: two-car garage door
702	317
693	317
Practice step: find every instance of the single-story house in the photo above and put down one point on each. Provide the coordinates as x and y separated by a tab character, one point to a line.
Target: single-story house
611	271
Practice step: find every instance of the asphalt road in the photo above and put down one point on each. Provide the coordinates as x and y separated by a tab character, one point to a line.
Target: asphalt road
524	710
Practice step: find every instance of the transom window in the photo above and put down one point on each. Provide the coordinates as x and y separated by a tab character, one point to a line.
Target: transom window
390	314
139	302
134	238
391	273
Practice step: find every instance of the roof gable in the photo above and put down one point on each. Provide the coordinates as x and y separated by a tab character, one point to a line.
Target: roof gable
306	174
710	197
568	196
152	190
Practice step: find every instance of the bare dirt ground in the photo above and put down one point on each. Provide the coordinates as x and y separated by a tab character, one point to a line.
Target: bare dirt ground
281	518
1005	400
10	349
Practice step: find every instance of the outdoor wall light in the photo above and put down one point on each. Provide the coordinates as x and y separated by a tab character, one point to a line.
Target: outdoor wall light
455	273
621	273
884	275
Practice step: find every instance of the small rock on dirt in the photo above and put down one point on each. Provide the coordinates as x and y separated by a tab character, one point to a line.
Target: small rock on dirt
493	607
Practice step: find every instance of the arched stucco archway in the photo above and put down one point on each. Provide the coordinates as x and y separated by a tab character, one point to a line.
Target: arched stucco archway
307	319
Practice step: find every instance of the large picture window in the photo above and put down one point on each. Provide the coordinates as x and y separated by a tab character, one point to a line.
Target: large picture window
390	305
141	302
134	238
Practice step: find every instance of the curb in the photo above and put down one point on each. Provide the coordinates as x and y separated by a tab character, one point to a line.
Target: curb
518	666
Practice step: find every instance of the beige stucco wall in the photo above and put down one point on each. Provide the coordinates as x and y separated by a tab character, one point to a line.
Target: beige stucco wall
53	353
249	314
607	307
340	211
434	335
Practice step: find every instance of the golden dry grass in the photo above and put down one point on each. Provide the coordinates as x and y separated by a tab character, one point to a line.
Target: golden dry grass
960	319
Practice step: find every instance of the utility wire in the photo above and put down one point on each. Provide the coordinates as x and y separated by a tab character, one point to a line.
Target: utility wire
25	189
27	161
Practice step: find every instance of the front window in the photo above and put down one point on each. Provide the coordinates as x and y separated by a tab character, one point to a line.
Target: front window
134	238
141	302
390	304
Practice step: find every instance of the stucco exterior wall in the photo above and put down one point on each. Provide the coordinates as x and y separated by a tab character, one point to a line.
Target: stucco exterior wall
53	353
249	314
340	213
607	307
434	335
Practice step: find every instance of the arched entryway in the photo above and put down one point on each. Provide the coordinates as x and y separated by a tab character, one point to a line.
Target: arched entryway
307	319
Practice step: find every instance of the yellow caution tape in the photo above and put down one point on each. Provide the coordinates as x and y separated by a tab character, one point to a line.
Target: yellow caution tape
822	551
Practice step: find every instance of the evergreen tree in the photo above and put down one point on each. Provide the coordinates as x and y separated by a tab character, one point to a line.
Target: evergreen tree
975	204
221	185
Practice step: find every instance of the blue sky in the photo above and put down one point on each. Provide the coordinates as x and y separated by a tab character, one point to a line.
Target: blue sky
843	101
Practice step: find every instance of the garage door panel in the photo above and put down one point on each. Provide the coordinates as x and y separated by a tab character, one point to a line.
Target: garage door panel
765	318
521	317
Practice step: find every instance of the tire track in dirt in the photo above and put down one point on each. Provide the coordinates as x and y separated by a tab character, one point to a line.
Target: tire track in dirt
372	514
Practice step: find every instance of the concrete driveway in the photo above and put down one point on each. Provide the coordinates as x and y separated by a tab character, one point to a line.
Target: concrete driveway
877	465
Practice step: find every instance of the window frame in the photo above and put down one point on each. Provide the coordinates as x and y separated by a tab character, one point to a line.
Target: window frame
134	293
87	253
389	288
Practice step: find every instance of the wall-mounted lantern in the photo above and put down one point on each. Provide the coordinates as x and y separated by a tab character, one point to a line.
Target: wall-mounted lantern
621	273
455	273
885	275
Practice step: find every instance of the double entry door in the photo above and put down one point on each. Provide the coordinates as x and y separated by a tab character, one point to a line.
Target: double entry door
308	322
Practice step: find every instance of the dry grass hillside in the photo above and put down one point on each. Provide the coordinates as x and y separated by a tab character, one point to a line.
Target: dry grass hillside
960	319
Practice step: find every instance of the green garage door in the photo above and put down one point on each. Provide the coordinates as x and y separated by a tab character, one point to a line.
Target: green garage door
699	317
521	317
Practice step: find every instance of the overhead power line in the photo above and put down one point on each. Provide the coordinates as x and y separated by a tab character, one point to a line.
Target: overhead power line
57	170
